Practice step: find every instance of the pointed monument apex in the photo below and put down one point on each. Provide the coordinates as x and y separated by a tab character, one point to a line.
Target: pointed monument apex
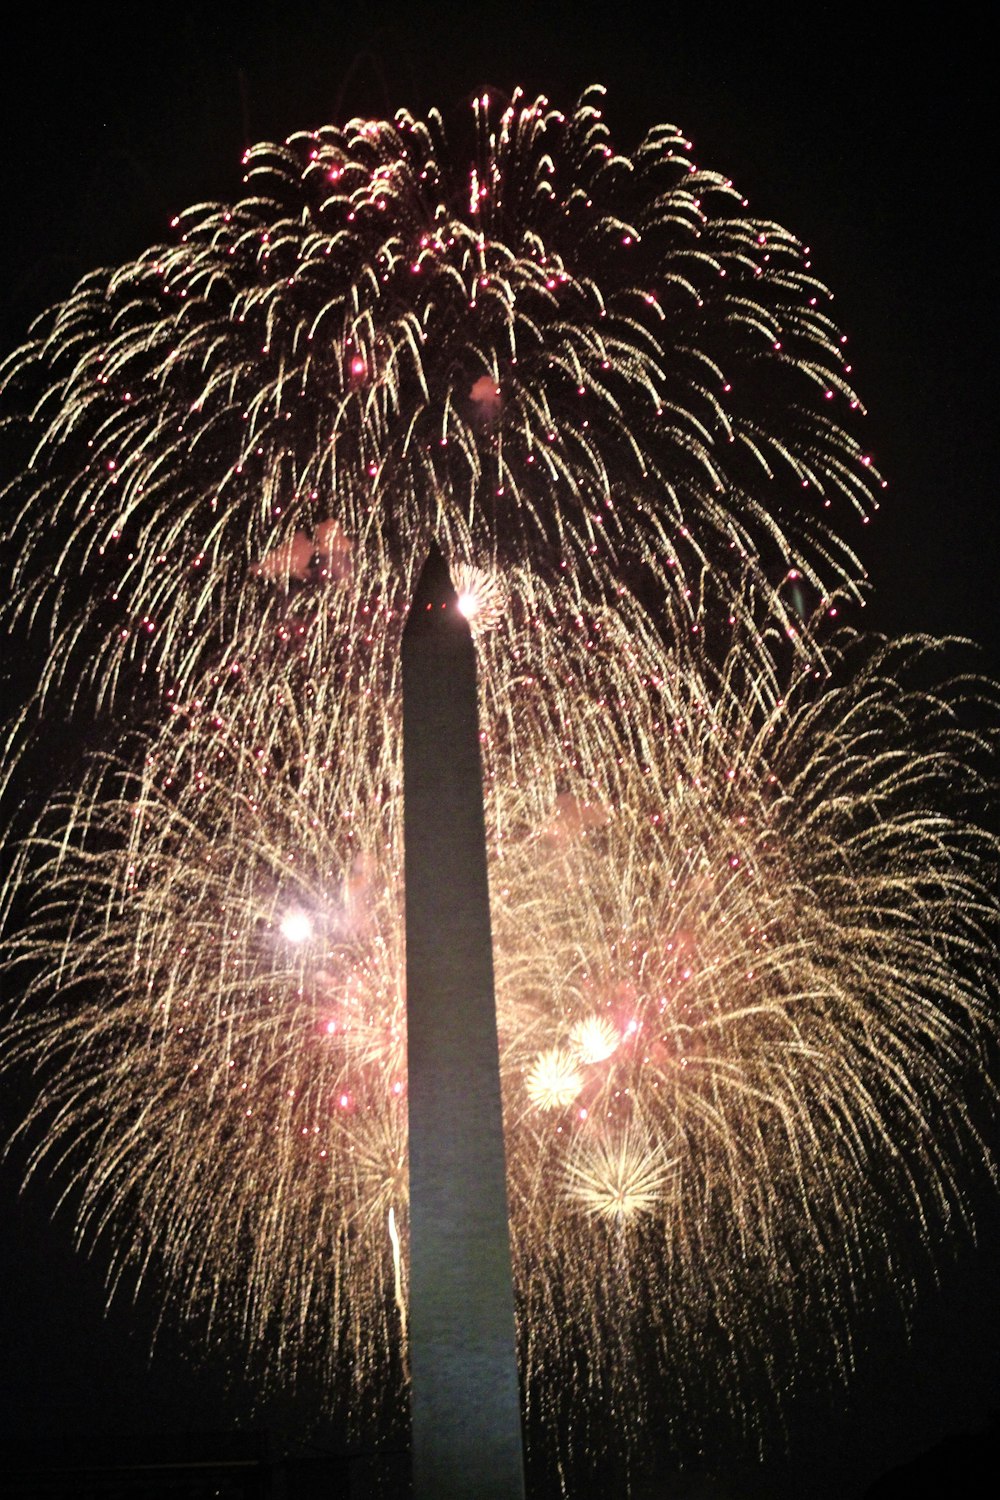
434	590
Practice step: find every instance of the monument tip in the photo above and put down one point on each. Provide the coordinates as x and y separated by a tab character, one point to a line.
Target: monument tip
434	598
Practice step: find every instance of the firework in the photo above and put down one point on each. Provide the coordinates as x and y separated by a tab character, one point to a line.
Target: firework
743	925
739	955
542	350
618	1175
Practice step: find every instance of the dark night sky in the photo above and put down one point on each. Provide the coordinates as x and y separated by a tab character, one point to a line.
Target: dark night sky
868	140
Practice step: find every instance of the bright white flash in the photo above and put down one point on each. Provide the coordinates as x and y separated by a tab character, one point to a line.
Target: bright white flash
296	926
469	604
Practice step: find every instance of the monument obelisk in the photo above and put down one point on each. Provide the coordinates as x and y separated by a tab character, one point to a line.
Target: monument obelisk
466	1407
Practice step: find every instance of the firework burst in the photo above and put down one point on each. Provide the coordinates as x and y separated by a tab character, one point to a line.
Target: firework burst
738	951
543	350
618	1177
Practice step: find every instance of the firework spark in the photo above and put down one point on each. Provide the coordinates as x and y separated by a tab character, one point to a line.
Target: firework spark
595	1038
553	1081
618	1177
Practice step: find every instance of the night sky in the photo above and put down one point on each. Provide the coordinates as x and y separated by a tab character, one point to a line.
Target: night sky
870	142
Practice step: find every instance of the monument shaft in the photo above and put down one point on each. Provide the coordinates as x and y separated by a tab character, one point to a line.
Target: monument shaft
465	1395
